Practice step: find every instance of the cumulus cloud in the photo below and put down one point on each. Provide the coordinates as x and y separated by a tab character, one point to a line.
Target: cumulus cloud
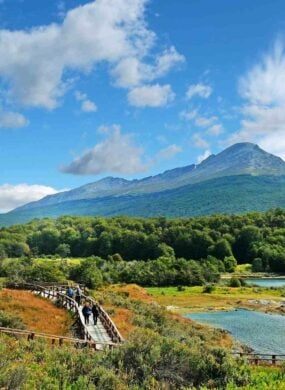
12	119
202	121
151	96
201	90
263	90
199	142
215	130
12	196
116	154
204	156
199	120
34	63
131	71
169	152
88	106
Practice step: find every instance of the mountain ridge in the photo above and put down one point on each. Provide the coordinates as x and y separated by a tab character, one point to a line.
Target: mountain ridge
176	188
240	158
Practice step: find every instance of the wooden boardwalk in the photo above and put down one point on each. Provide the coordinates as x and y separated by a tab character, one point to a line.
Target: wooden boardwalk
100	336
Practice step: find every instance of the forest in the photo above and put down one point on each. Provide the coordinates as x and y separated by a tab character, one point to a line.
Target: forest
148	251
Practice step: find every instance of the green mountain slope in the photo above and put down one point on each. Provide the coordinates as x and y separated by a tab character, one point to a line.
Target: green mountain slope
234	194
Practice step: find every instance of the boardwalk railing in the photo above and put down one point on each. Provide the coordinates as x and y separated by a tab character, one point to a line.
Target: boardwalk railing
57	340
261	358
58	293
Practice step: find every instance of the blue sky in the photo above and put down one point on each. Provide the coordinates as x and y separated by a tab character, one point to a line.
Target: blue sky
131	88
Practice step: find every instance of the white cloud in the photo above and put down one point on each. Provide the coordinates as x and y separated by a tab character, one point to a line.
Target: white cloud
199	120
12	119
200	90
35	62
116	154
151	96
88	106
203	156
169	152
131	71
215	130
189	115
199	142
12	196
202	121
263	89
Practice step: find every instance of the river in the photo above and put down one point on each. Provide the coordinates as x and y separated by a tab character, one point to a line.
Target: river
267	282
264	333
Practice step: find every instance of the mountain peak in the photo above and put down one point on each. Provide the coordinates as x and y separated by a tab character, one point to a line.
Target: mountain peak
242	158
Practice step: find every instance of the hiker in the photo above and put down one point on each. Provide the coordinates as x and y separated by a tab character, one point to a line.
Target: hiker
86	313
69	292
78	294
95	312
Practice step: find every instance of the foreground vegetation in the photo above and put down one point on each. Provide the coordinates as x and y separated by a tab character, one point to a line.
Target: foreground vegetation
163	351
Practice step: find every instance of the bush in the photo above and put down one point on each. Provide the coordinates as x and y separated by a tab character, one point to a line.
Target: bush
234	282
208	289
9	321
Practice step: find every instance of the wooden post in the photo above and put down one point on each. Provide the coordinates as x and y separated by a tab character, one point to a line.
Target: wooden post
273	360
60	342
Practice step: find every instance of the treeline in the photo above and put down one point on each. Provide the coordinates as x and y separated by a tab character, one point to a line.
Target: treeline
223	240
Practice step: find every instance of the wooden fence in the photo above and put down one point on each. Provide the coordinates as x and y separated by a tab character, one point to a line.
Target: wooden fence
261	358
56	340
58	293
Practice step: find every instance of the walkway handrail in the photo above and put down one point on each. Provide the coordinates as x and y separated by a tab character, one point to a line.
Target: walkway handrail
256	357
55	292
107	322
31	335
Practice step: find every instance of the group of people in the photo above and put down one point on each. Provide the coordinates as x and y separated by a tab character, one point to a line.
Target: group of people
87	309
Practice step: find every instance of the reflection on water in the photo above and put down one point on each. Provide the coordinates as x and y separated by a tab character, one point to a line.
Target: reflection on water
262	332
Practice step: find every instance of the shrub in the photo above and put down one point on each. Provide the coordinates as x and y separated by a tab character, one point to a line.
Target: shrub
234	282
208	289
9	321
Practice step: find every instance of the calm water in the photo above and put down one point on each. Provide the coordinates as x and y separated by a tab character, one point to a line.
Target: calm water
268	282
262	332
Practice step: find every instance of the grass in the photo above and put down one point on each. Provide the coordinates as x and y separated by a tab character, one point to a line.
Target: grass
222	298
38	314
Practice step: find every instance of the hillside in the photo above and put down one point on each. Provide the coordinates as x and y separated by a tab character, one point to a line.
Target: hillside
241	178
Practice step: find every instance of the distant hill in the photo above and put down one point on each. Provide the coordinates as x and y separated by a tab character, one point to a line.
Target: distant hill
241	178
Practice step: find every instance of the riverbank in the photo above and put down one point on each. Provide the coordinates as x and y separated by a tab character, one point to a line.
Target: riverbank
193	299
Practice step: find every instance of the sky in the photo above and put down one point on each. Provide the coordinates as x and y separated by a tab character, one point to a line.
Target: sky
131	88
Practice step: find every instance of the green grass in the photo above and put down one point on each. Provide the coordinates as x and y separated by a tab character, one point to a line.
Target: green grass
222	298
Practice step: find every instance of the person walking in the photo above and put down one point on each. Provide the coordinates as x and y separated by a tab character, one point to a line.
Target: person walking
86	311
95	312
78	295
70	292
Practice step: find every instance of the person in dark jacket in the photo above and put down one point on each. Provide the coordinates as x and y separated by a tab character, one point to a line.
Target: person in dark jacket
78	294
95	312
86	311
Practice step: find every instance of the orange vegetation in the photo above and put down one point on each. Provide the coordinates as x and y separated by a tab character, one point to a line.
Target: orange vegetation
122	318
38	314
133	291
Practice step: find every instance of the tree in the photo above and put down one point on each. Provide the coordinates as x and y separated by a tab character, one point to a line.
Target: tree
230	263
63	250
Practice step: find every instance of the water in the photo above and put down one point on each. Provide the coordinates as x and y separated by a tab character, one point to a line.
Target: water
262	332
268	282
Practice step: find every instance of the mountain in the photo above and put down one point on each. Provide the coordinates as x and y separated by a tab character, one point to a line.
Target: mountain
241	178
